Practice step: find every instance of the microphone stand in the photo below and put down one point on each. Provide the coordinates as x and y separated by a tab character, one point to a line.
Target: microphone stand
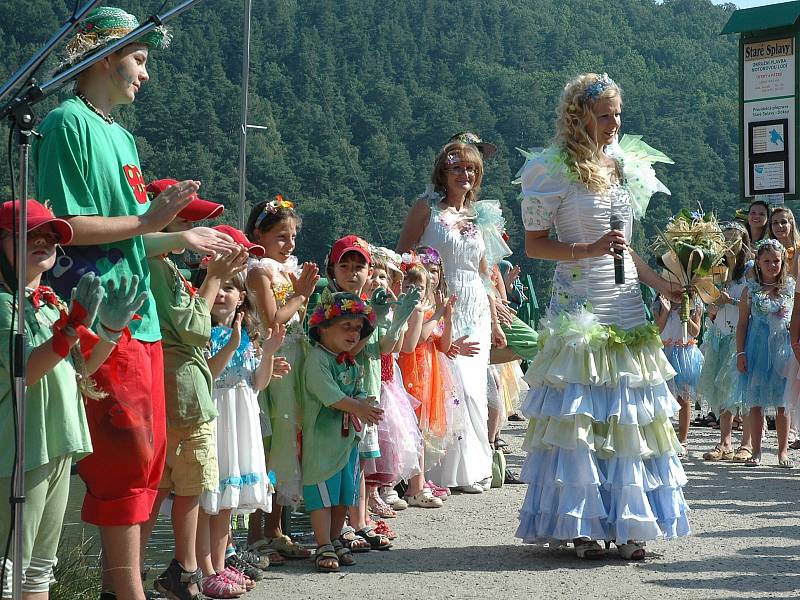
19	110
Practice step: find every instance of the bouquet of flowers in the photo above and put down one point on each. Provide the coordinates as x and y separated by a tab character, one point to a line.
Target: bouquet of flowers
695	248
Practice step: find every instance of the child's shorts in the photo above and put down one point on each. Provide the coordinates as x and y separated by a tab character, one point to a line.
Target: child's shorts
339	490
46	493
128	430
369	446
191	466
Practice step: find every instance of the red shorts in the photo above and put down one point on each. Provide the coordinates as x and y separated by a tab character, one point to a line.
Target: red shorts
128	430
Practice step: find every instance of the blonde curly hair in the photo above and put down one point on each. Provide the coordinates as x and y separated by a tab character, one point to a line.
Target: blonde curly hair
574	111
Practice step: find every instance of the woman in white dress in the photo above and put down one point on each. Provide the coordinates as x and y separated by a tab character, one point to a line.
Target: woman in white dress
447	217
602	462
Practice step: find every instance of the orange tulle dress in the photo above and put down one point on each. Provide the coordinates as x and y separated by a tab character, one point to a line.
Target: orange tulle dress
423	379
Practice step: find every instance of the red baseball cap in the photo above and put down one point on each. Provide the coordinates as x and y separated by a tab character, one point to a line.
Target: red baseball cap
38	215
196	210
241	239
349	243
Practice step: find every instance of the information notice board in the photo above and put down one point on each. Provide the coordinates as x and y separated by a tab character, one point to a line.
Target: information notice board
768	110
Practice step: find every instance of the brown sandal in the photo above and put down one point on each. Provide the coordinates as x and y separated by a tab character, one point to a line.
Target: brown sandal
718	453
742	455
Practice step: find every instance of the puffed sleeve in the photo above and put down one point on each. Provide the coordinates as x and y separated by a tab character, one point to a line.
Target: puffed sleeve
268	265
544	184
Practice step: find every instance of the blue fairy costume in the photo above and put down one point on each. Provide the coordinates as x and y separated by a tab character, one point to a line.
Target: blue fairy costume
243	481
683	354
602	453
767	347
718	377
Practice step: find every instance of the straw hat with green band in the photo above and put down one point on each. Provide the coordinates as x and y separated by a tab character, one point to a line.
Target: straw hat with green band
106	24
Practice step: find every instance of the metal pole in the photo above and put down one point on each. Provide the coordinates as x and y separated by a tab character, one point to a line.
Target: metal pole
248	6
18	497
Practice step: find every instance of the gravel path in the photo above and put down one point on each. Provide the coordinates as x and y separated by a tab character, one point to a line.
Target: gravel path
746	539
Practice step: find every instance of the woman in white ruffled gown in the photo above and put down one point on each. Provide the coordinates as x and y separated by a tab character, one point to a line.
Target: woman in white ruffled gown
602	462
448	218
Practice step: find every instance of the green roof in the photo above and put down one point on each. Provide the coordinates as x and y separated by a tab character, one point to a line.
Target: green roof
772	16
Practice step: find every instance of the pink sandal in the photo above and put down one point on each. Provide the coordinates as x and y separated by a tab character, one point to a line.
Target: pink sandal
239	578
378	507
219	586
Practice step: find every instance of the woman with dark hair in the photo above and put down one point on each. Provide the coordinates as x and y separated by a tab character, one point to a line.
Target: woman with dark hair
757	223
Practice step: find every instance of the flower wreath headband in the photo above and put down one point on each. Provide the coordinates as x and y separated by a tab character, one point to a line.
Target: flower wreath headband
772	244
272	207
332	306
593	91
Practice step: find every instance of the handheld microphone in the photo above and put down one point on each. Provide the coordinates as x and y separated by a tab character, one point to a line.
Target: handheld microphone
618	224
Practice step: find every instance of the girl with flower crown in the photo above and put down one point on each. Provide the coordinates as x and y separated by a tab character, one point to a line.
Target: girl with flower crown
280	292
763	349
782	227
423	377
602	454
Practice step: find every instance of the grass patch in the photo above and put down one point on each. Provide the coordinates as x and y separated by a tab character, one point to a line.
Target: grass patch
77	573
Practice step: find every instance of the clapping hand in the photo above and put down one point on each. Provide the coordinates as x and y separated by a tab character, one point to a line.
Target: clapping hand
273	339
280	367
227	263
120	304
85	300
206	240
305	283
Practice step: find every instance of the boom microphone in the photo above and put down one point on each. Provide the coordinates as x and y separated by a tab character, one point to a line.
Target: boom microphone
618	224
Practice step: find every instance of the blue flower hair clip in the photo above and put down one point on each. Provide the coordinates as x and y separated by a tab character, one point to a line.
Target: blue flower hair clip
593	91
770	243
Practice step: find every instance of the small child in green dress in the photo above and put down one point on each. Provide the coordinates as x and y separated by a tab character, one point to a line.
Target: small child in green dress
334	412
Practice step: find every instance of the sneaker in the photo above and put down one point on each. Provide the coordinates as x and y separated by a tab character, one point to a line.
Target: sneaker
219	586
175	581
475	488
254	558
392	498
235	561
486	483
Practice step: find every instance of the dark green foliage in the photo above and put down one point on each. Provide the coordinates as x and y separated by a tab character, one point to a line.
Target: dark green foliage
357	96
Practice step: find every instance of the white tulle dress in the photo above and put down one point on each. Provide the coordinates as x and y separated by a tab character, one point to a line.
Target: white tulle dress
243	481
601	449
467	459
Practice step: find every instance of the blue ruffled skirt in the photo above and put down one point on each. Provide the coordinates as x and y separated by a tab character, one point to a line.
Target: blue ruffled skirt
688	363
768	353
602	455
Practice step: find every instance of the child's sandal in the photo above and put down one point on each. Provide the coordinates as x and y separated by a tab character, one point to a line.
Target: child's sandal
345	555
354	542
326	553
381	528
376	541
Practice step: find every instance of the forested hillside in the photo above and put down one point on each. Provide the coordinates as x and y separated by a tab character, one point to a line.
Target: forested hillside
357	95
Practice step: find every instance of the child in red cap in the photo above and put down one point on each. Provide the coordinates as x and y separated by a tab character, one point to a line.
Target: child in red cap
56	431
185	321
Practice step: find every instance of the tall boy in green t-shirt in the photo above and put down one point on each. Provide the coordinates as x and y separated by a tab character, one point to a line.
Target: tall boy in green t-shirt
88	169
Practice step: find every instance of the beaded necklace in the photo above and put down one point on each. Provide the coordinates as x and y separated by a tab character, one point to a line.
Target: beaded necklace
107	118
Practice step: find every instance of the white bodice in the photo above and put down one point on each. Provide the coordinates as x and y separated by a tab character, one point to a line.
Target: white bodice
461	254
582	216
